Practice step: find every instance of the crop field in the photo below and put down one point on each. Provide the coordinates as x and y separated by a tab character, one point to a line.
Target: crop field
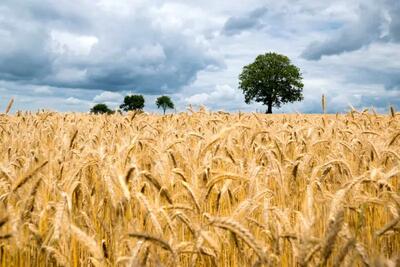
199	189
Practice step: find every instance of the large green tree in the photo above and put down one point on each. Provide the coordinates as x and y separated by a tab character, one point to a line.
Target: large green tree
133	102
164	102
100	109
272	80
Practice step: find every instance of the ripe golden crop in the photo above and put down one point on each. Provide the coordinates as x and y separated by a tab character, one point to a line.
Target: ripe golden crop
199	189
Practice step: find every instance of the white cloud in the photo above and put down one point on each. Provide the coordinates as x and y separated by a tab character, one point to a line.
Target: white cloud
221	97
224	92
65	42
74	101
108	96
198	99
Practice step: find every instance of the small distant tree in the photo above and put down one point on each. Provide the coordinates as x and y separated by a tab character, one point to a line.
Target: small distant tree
164	102
133	102
272	80
101	109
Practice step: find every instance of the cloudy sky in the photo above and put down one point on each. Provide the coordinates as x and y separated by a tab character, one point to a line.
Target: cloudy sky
66	55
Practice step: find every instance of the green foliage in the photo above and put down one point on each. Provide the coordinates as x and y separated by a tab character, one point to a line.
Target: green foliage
133	102
164	102
272	80
101	109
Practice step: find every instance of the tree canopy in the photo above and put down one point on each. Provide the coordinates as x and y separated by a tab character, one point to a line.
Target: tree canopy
133	102
100	109
164	102
272	80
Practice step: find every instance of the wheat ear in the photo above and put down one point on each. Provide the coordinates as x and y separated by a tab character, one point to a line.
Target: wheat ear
3	221
8	108
343	252
335	222
25	178
234	227
158	241
87	241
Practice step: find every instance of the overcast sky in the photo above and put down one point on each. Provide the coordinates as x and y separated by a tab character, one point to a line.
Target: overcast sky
66	55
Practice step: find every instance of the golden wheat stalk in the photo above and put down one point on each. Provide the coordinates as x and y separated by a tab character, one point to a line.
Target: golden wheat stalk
29	175
278	174
323	103
155	240
87	241
388	226
9	106
58	219
343	252
3	221
142	199
239	230
392	112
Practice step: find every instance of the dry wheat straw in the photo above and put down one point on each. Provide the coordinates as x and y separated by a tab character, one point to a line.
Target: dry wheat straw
199	189
236	228
9	106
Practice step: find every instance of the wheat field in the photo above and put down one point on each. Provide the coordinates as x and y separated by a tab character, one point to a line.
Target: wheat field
199	188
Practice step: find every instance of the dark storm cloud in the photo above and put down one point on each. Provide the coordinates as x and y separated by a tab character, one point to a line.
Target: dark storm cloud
150	66
394	28
69	54
349	38
23	54
235	25
61	14
369	27
390	79
129	52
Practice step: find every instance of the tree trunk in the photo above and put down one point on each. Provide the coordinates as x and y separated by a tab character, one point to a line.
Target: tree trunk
269	110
